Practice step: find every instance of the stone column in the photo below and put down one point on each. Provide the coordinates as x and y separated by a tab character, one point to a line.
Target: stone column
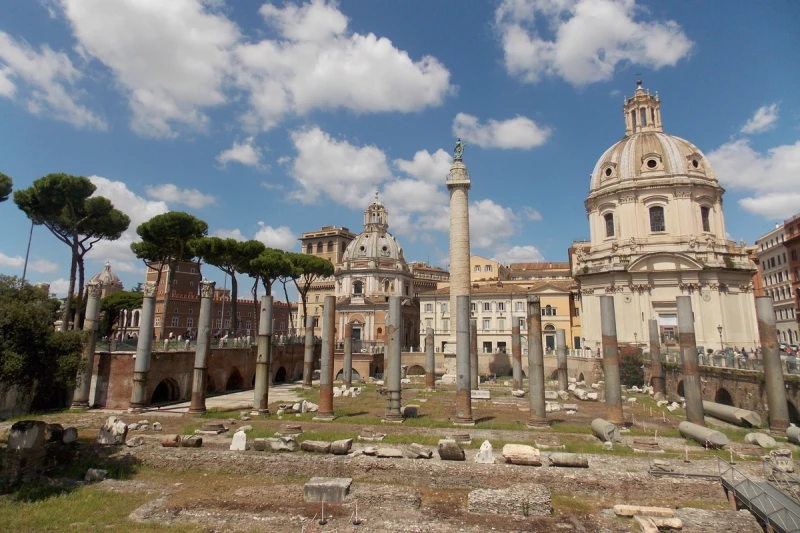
773	371
198	404
538	416
347	370
463	390
393	366
656	366
474	380
326	367
561	358
80	399
308	357
430	361
516	358
261	391
608	328
458	183
692	388
143	348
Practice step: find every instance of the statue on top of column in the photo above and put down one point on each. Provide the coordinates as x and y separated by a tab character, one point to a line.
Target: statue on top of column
459	150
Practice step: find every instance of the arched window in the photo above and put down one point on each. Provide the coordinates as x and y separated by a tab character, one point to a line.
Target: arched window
643	115
386	285
609	217
704	212
330	246
310	248
657	219
633	120
358	287
319	247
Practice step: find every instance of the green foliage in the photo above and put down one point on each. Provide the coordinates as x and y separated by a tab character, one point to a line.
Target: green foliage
6	184
270	265
64	205
306	269
630	367
728	262
111	306
30	351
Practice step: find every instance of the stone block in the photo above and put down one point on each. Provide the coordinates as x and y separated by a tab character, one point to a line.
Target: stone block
282	444
552	407
370	450
450	450
156	426
418	451
287	430
171	441
341	447
632	510
522	454
550	395
580	394
409	411
133	442
70	435
485	455
95	474
369	435
563	395
113	431
592	396
316	446
518	393
761	439
571	460
54	433
481	395
191	441
211	429
570	406
389	453
27	435
518	500
327	489
239	441
405	381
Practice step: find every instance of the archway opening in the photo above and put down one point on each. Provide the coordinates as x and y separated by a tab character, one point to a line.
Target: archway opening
724	397
679	390
554	375
280	375
235	382
794	415
355	376
166	391
210	385
416	370
580	377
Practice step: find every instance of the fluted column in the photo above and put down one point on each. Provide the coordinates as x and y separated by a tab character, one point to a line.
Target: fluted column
308	356
80	399
144	348
347	370
326	365
608	325
198	404
261	391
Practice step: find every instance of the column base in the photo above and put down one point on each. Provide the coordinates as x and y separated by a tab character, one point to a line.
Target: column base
196	411
325	417
464	422
538	424
392	419
260	412
136	409
81	406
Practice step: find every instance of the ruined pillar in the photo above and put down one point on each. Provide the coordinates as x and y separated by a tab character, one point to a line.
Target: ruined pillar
692	388
538	416
474	380
656	366
347	369
393	366
80	399
608	328
261	391
561	359
463	378
198	404
516	358
308	356
143	348
773	371
326	367
430	361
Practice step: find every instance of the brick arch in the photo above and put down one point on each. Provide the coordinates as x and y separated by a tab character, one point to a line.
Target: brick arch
235	380
416	370
166	391
794	415
679	388
724	397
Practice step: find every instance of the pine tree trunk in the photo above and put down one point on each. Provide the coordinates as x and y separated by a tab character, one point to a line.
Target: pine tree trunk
162	329
291	318
70	290
77	320
234	303
256	310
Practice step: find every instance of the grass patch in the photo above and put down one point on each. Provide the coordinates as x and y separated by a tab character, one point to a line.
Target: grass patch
567	427
567	502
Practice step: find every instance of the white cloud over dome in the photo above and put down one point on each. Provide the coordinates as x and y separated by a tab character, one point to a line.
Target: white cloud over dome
762	120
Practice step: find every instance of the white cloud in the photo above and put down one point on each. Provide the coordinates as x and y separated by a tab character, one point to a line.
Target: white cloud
432	168
170	58
773	178
348	174
244	153
18	263
235	233
59	287
271	186
490	224
46	81
519	254
590	38
531	214
763	119
127	266
280	237
518	132
168	192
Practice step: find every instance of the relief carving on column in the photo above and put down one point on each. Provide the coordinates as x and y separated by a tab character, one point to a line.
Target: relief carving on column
94	289
207	288
149	289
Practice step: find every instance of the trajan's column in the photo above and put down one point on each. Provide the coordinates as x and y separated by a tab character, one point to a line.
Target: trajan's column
458	184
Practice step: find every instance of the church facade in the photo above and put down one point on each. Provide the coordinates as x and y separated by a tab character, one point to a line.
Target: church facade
657	232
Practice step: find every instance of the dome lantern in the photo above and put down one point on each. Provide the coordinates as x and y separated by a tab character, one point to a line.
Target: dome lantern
642	112
376	217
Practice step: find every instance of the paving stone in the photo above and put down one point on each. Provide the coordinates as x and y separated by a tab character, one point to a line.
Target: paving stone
518	500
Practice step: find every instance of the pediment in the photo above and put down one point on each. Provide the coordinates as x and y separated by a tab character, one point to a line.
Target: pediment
664	262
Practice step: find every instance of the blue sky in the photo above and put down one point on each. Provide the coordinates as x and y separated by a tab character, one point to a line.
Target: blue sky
271	119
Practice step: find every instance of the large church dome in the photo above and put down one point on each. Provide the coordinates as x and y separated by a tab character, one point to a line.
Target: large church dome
375	243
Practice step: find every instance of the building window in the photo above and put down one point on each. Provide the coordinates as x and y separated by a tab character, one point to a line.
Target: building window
175	310
319	247
283	326
227	324
174	322
316	298
428	323
219	324
247	325
657	219
643	116
519	306
609	224
316	322
501	306
309	248
358	287
189	322
487	306
191	283
330	246
446	325
487	347
158	321
477	268
428	308
488	268
704	217
473	307
444	308
501	324
577	311
521	323
576	341
486	324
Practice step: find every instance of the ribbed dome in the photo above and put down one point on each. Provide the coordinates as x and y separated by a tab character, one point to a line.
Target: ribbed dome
650	155
107	278
374	245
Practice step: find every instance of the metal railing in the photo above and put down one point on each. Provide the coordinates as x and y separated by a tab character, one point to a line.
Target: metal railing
764	501
791	365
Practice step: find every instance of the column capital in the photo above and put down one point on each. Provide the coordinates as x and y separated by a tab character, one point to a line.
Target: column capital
207	288
94	289
149	289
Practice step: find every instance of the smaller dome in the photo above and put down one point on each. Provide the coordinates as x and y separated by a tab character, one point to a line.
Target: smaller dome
374	245
106	277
